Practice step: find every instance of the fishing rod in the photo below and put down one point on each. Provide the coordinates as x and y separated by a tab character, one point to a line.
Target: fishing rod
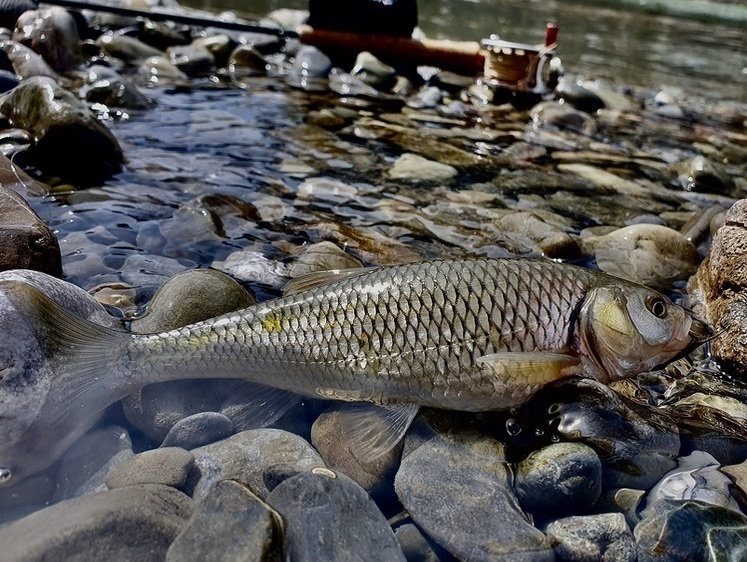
160	15
463	57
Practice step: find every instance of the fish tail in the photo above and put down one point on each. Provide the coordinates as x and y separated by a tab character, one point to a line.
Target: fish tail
82	357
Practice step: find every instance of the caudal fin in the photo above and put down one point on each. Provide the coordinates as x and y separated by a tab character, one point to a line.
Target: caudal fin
49	400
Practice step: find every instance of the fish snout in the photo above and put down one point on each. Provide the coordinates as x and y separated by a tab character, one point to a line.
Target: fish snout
699	331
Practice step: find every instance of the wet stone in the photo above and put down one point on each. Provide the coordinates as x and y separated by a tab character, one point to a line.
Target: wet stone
229	524
561	116
255	458
415	546
189	297
133	523
127	49
702	175
373	72
162	35
563	478
245	61
108	87
51	32
194	60
70	142
309	69
590	538
691	530
579	97
720	286
198	430
25	240
650	254
168	466
26	63
416	168
322	503
526	233
158	69
458	493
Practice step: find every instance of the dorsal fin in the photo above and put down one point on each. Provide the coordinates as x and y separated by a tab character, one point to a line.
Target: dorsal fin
321	278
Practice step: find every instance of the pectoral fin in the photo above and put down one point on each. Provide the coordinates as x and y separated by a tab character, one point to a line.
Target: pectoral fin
534	368
372	430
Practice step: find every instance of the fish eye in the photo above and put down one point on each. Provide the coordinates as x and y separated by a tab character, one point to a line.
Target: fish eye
5	475
657	306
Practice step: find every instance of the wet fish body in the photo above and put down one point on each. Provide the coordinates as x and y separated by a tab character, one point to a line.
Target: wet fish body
476	334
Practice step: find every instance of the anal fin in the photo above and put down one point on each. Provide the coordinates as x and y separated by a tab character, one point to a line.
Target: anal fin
374	430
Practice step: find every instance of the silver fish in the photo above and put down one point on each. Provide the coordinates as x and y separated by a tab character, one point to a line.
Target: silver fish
476	334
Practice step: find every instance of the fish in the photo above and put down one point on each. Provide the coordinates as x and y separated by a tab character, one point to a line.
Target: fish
471	334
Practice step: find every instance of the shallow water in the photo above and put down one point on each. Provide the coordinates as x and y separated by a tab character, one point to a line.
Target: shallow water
215	169
628	47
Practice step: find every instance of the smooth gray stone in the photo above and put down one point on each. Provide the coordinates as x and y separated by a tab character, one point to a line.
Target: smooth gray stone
257	458
458	493
229	525
193	59
198	430
133	523
329	517
26	242
70	140
562	478
414	545
604	537
691	530
168	466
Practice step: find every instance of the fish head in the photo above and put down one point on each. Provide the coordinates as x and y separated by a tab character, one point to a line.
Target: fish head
630	329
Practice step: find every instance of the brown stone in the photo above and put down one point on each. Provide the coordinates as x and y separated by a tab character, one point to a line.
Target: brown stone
25	241
720	286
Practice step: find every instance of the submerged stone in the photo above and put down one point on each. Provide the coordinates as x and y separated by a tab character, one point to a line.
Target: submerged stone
168	466
588	538
691	530
133	523
329	517
458	493
416	168
232	525
51	32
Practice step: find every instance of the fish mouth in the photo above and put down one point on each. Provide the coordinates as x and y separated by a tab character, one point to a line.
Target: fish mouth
700	332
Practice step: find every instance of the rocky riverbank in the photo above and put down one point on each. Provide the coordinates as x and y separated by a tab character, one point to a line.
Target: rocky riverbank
391	164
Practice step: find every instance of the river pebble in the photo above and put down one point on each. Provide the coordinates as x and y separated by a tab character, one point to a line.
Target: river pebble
168	466
197	430
69	139
260	459
650	254
229	524
147	518
563	478
51	32
587	538
416	168
322	503
472	511
691	530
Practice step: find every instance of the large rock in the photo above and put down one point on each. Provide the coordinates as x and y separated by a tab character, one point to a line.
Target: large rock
26	62
70	141
134	523
232	525
13	177
51	32
720	286
459	494
329	517
25	241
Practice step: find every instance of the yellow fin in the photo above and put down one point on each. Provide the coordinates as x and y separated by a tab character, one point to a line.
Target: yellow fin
531	367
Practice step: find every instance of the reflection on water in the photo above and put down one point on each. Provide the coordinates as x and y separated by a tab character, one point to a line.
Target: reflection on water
627	47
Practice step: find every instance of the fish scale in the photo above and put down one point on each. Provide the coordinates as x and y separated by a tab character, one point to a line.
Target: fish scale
384	335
